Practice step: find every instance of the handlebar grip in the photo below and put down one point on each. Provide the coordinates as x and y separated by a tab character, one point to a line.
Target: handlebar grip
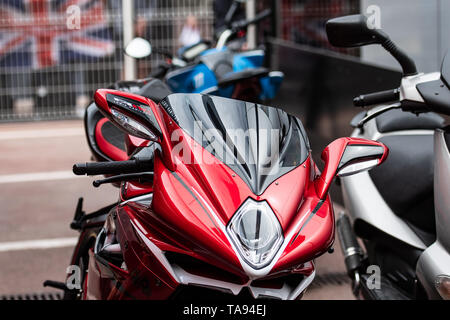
231	12
112	167
376	97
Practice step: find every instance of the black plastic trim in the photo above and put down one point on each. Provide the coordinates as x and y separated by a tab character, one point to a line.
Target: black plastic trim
436	95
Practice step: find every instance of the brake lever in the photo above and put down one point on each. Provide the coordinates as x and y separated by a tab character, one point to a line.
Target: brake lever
142	177
364	120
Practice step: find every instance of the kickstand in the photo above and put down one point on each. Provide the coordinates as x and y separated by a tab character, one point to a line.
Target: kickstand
77	221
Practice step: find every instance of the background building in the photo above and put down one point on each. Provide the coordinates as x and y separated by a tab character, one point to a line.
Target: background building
419	27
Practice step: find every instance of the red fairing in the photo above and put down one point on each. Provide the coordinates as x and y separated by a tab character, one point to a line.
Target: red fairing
313	237
147	279
201	196
184	207
196	199
133	189
132	143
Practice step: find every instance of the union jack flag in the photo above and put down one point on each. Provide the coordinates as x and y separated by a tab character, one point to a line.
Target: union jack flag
38	34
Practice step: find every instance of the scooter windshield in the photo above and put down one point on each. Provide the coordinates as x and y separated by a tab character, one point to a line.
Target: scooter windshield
259	143
445	70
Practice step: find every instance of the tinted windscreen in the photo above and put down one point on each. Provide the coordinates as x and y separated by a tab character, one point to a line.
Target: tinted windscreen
257	142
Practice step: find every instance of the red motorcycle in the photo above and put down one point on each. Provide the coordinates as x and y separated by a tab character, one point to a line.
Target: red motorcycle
218	198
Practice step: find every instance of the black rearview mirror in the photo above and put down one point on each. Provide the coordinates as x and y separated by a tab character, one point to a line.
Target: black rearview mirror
353	31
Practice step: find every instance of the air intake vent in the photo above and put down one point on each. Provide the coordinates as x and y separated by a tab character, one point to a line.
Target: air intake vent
198	267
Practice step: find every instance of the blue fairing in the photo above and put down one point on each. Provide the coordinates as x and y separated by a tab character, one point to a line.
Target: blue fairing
246	60
212	50
254	59
270	85
199	78
193	79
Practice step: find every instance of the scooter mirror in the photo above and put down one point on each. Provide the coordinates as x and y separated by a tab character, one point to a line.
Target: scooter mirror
347	156
353	31
130	112
138	48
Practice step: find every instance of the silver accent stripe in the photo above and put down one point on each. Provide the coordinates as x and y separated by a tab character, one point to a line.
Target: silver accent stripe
156	251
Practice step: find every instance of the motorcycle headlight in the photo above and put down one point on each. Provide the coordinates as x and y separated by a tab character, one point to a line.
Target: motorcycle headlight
256	233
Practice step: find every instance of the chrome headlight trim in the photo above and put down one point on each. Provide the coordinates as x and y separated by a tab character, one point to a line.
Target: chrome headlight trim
256	233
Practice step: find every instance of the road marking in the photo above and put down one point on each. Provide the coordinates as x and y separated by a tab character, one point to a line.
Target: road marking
37	244
38	176
44	133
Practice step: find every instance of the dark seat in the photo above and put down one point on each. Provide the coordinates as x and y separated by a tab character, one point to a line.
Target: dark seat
233	77
395	120
155	89
405	181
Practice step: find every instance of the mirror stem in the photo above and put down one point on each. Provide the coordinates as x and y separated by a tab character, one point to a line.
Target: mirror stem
408	65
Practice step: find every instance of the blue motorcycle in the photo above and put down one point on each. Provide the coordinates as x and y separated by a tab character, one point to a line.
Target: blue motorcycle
218	71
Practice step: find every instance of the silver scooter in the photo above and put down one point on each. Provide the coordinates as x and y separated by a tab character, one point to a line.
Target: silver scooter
401	210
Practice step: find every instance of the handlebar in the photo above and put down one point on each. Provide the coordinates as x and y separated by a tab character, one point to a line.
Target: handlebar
160	71
376	98
114	167
166	53
231	12
242	24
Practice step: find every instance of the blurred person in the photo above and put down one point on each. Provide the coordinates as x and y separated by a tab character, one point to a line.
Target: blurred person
143	12
190	34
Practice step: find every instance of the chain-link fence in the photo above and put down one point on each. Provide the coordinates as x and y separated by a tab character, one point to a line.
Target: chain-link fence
303	21
55	53
170	25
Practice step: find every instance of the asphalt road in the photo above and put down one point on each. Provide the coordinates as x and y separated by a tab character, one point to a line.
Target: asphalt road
38	195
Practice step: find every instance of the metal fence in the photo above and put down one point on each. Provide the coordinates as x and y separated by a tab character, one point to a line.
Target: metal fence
164	27
303	21
55	53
